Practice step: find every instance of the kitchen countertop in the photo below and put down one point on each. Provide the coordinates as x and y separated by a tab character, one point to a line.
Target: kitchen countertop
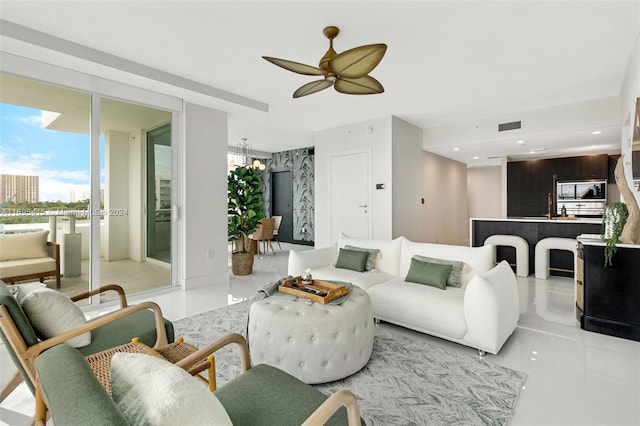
540	219
596	240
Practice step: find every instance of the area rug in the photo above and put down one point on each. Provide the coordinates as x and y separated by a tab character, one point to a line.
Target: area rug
406	382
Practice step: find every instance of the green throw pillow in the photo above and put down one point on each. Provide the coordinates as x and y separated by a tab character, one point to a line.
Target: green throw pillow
371	257
455	278
352	259
428	273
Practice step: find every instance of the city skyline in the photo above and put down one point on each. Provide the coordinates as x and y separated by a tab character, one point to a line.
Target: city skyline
60	159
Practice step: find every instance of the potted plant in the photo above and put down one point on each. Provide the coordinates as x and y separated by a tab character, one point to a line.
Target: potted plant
245	211
613	220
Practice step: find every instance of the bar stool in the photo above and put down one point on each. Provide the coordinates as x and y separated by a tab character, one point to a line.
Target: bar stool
522	250
542	253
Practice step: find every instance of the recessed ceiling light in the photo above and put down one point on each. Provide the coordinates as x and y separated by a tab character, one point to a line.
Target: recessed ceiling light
596	132
456	149
476	157
520	142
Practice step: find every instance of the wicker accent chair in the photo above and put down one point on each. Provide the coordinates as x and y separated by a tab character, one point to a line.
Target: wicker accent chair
143	320
259	395
264	234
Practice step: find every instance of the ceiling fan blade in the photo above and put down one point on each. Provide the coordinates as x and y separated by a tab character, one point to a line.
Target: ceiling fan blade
313	87
295	66
357	62
366	85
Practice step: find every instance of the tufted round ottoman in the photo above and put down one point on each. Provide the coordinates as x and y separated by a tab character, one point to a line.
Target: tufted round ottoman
314	342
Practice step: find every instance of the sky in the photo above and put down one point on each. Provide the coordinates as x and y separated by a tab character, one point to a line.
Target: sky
61	159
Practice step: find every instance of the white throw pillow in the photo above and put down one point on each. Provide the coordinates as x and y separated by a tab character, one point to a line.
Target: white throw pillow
152	391
52	313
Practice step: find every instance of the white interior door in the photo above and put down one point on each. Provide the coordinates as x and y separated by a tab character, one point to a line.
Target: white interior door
349	197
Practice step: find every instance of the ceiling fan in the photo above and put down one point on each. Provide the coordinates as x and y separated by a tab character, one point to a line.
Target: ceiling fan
346	71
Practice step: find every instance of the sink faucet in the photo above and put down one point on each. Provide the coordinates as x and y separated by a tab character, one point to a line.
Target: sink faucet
549	204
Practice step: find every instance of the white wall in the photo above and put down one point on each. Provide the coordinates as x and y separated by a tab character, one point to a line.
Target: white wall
484	191
445	188
203	212
371	135
407	191
136	197
116	197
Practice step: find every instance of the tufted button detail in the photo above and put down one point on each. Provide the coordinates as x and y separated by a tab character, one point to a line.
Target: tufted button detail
313	338
335	335
325	363
302	365
290	339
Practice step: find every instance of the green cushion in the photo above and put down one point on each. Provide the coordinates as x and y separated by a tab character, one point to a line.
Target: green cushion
24	327
352	259
139	324
265	395
428	273
455	277
372	254
73	393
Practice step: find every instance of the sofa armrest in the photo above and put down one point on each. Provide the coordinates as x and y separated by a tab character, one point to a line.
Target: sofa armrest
311	259
71	390
491	308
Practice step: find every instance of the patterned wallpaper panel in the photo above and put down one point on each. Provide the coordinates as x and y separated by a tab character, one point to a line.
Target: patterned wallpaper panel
301	164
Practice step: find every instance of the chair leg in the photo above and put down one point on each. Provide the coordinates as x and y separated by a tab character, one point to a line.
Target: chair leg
279	246
271	245
10	386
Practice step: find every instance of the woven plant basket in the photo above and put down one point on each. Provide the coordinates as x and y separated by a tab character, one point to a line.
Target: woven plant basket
242	263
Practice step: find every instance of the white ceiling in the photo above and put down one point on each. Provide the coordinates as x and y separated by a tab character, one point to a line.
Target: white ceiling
454	68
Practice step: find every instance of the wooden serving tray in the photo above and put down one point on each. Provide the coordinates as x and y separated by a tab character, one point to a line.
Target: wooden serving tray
318	291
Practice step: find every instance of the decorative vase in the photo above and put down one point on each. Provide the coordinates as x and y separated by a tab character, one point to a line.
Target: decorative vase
242	263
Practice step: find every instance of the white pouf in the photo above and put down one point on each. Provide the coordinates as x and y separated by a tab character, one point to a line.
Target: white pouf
314	342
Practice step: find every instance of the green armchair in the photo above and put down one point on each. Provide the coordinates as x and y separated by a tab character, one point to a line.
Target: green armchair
143	320
260	395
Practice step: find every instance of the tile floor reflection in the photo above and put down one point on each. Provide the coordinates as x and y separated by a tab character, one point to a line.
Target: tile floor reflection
574	377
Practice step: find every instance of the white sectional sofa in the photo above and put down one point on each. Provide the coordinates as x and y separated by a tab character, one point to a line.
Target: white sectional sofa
482	314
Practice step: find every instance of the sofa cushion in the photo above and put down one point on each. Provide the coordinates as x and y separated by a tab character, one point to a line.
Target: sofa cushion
428	273
352	259
364	280
372	254
455	277
478	260
27	245
430	310
52	313
152	391
388	259
17	268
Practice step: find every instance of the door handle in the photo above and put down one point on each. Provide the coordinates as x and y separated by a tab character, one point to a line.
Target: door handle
363	206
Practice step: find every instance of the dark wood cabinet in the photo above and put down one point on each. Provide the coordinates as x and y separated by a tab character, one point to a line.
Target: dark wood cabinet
529	182
581	168
635	164
528	186
611	294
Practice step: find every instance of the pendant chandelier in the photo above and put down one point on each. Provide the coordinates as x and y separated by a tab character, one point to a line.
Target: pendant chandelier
243	157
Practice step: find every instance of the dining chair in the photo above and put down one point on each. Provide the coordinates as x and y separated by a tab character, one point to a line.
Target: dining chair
276	229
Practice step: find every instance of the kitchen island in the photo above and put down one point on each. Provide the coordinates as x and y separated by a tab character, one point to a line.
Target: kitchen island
534	229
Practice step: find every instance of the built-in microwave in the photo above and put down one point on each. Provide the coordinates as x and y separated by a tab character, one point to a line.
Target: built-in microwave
581	198
582	191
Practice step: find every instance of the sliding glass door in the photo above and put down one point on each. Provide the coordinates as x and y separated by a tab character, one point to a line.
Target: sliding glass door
91	165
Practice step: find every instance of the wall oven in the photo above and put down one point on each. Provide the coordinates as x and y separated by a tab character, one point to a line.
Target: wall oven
582	198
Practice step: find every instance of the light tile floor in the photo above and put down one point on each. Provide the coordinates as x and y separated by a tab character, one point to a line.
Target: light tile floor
574	377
